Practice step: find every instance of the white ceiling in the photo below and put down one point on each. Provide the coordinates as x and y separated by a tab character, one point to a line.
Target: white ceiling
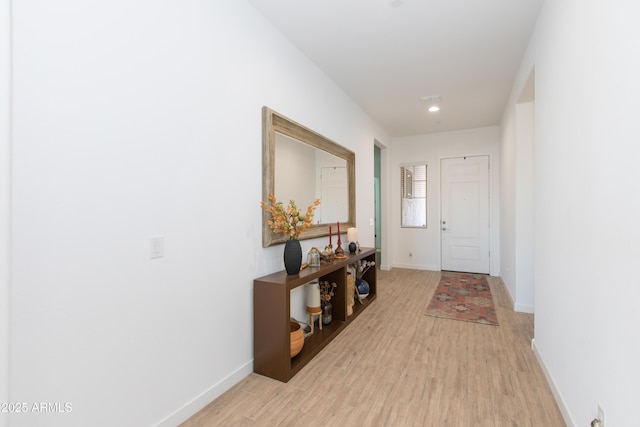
386	58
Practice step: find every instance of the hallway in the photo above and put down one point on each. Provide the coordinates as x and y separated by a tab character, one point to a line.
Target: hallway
395	366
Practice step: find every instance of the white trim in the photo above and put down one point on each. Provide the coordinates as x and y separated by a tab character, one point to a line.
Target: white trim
552	385
401	165
511	299
191	408
417	267
524	308
520	308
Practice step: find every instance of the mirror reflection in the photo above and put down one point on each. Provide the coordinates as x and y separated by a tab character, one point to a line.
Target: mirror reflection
306	173
303	165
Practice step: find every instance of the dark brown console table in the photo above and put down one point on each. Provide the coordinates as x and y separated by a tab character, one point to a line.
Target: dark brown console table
272	312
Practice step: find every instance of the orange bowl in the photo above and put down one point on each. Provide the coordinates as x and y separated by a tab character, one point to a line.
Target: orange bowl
297	338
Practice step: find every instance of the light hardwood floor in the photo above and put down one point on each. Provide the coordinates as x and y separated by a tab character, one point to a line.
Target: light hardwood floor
395	366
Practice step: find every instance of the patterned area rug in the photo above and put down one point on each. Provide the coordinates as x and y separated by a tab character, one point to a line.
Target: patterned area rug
463	296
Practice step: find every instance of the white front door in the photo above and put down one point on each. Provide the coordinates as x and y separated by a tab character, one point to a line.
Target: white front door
464	220
335	195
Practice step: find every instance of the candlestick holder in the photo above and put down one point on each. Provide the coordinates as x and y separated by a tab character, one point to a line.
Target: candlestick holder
339	252
327	255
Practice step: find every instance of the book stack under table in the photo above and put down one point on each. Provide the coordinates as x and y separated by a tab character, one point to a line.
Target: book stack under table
272	313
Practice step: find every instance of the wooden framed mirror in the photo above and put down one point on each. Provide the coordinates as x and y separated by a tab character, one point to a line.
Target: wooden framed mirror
300	164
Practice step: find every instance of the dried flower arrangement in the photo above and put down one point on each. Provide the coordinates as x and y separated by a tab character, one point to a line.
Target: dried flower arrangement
326	290
361	266
288	220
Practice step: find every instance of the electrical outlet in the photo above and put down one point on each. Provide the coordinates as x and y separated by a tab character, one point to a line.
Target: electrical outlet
601	415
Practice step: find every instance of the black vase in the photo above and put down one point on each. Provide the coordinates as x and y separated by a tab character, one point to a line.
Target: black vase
292	257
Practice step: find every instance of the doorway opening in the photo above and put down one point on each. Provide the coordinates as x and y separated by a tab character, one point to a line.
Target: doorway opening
377	154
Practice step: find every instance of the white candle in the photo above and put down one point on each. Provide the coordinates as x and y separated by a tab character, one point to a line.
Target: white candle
352	234
313	294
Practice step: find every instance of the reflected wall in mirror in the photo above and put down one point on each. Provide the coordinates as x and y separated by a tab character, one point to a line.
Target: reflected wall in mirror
303	165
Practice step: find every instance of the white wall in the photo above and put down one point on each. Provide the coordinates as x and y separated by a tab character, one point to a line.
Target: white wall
586	205
424	244
516	209
293	179
508	200
132	120
5	191
525	121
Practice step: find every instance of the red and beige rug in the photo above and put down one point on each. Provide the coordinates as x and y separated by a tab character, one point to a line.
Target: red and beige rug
463	296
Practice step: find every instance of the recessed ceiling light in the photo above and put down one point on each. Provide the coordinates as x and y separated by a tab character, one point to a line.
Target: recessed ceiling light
395	3
433	102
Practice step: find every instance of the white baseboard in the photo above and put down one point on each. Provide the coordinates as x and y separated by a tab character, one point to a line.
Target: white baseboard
206	397
418	267
556	393
520	308
523	308
509	294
